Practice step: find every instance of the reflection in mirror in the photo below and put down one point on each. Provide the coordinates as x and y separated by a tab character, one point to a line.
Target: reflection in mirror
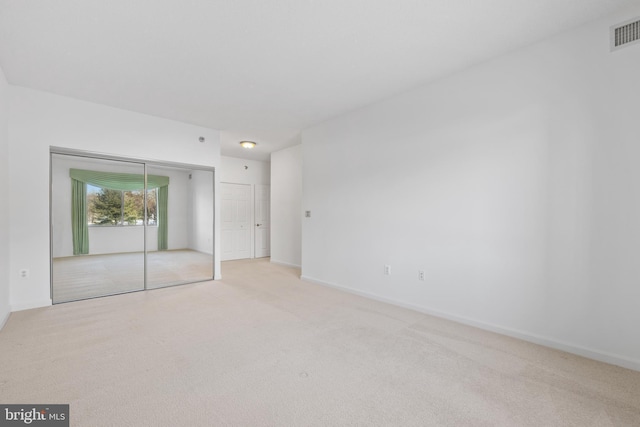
97	216
111	233
180	236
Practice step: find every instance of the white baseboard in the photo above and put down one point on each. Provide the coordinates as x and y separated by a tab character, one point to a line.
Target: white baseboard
286	264
3	321
30	305
601	356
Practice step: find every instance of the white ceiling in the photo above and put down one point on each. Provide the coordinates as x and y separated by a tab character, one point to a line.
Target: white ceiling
263	69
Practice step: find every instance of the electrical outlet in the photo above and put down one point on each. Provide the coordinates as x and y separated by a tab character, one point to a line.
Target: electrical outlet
387	270
24	274
421	275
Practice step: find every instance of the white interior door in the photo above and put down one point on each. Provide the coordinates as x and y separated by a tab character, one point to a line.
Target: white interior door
235	238
262	225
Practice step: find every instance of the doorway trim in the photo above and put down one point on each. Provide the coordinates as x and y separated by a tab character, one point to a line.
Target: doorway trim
253	215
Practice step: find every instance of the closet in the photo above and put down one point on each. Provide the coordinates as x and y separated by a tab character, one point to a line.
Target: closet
122	225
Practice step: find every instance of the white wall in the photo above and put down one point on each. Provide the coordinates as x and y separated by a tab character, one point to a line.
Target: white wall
286	208
513	185
201	203
4	195
233	170
39	120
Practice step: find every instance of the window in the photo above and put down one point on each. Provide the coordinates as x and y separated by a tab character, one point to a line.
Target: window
116	207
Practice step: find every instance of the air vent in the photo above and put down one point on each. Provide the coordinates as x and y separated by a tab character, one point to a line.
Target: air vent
625	34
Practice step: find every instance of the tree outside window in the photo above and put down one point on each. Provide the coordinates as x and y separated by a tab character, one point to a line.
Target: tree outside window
115	207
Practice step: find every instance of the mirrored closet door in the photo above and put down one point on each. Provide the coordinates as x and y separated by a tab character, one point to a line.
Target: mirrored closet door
180	241
120	225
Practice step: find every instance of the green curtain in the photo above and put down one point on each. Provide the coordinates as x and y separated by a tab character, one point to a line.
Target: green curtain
79	228
113	181
163	229
118	181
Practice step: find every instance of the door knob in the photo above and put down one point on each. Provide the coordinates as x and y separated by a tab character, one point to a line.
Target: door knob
258	225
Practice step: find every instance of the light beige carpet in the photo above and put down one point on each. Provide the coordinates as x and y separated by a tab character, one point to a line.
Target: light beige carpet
90	276
262	348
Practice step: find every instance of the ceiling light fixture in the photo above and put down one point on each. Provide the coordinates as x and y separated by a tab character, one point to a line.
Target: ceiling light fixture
248	144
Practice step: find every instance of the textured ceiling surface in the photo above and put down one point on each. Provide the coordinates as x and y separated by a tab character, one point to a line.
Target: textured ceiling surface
255	66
